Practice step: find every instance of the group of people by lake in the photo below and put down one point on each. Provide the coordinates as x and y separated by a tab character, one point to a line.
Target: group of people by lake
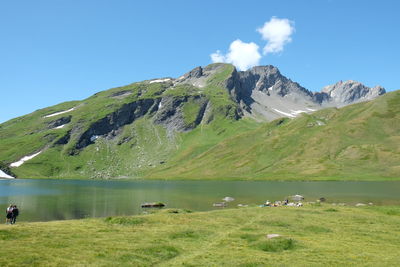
12	213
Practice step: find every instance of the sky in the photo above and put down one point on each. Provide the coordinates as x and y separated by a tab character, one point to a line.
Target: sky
60	50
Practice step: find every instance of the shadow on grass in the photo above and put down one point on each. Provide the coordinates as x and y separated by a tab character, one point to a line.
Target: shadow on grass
252	264
317	229
278	244
250	237
275	223
125	220
11	235
185	234
148	256
159	252
331	210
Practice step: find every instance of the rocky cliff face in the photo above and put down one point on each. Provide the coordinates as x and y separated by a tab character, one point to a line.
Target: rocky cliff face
109	125
170	113
348	92
265	94
268	79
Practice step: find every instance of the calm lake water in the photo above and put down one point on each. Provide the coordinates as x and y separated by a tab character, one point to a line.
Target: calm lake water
45	200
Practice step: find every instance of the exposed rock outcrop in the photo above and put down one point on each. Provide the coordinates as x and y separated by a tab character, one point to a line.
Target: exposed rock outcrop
59	122
167	111
348	92
170	113
121	94
264	93
64	139
266	79
125	115
195	73
198	76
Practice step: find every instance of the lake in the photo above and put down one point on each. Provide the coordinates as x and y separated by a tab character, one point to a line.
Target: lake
46	200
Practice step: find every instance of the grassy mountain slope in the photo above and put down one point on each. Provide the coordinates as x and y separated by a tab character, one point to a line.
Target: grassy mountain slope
360	141
174	130
135	145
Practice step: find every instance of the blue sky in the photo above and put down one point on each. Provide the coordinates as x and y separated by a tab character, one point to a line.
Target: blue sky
55	51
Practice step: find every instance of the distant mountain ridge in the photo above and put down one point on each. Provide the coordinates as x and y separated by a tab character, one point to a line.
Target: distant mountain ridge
348	92
264	91
148	128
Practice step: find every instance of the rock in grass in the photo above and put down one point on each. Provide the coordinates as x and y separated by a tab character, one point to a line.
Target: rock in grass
297	197
220	204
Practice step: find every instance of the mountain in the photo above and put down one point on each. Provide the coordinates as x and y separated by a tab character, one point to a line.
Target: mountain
212	122
265	94
357	142
348	92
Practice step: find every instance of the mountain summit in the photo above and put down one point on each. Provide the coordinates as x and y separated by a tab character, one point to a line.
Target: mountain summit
173	126
264	93
348	92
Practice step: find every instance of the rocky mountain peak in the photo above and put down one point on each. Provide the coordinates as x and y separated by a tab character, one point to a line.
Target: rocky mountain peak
347	92
268	79
268	71
264	93
194	73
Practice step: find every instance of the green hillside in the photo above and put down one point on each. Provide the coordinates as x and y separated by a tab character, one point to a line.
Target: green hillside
136	145
357	142
174	130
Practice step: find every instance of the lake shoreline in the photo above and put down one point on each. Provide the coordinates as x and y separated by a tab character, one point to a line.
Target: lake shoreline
50	199
310	179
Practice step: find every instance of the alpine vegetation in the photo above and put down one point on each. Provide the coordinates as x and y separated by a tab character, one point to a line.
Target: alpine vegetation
213	122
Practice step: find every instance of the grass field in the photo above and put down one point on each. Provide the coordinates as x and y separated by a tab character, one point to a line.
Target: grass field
322	235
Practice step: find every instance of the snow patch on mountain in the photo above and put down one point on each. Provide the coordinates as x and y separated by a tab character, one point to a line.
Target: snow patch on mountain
5	175
59	127
24	159
160	80
284	113
59	113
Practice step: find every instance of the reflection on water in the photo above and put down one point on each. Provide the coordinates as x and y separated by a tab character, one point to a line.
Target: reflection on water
44	200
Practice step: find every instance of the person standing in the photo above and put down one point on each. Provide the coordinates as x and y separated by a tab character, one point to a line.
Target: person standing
9	214
15	213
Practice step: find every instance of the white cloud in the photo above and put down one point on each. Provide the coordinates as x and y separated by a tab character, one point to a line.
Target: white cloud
277	32
242	55
217	57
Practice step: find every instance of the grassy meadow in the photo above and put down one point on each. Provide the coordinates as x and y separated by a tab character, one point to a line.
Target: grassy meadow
314	235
